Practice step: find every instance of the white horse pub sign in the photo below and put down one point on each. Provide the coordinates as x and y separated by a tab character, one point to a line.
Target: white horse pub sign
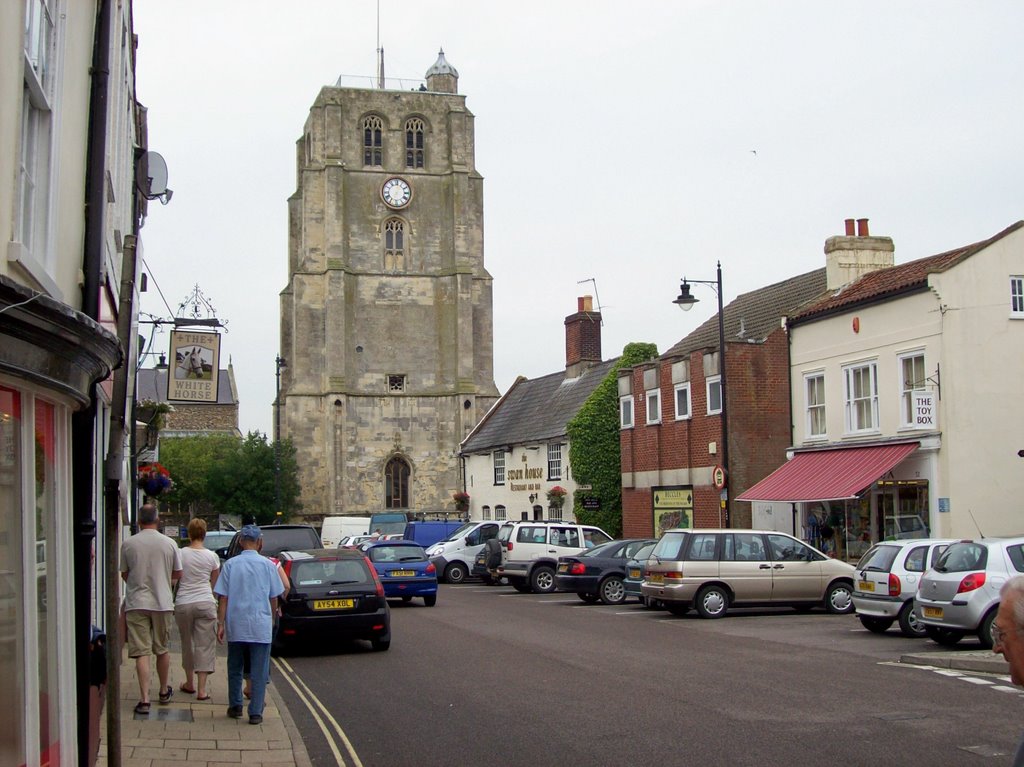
196	367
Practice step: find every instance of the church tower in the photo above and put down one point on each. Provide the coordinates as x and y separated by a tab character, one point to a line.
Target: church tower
386	321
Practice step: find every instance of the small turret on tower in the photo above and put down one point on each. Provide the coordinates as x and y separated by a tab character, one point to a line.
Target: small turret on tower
442	77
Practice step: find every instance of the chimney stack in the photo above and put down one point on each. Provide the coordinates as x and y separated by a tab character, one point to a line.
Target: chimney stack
582	338
850	257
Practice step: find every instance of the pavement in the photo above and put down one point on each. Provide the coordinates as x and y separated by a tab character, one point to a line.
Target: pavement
983	661
200	733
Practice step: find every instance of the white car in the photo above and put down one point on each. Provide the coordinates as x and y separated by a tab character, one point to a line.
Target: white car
532	549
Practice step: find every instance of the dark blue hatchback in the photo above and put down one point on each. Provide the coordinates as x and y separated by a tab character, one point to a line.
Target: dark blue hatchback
404	569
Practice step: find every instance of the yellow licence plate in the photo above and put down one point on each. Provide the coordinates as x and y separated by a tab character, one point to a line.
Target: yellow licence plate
402	573
933	612
634	572
333	604
656	578
866	586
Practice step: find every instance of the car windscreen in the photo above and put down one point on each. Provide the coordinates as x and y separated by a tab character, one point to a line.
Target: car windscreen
460	532
397	554
609	549
879	558
276	540
329	572
669	546
963	557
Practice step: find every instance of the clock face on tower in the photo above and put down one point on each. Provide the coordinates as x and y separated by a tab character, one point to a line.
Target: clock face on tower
396	193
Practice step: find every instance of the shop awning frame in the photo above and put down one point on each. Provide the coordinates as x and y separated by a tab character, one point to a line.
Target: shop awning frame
835	474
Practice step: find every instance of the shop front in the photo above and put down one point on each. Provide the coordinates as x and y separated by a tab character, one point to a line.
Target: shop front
844	499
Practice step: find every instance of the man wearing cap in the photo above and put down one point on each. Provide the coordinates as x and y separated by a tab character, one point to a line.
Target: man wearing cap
247	587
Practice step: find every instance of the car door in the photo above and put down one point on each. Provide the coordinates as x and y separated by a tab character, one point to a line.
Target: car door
796	570
746	568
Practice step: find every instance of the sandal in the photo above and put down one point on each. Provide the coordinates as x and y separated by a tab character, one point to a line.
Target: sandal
202	697
165	695
186	690
142	708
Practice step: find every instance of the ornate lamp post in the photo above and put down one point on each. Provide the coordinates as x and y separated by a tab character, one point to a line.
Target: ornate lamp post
685	301
279	363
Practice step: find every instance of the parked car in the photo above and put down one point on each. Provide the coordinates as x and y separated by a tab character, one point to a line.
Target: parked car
218	540
278	538
454	556
960	594
404	569
334	528
635	567
598	573
886	580
532	550
334	594
353	541
712	570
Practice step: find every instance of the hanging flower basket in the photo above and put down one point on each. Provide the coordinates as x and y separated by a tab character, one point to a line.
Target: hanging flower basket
154	479
461	499
556	496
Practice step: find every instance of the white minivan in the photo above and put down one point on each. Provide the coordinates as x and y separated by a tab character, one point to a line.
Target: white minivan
336	528
453	557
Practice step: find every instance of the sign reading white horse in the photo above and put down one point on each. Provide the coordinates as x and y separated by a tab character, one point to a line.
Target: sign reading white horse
196	367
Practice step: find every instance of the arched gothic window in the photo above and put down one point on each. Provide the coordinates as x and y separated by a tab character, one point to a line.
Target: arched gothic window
396	484
414	143
373	141
394	245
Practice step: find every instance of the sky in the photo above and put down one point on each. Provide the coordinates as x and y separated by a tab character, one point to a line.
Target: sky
623	147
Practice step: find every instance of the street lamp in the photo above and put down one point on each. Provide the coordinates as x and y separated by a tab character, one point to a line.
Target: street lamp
685	301
279	363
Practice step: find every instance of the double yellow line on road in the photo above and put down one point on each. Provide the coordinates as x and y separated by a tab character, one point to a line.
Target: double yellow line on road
312	702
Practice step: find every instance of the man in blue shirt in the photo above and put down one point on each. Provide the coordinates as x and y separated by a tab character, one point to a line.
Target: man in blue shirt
248	587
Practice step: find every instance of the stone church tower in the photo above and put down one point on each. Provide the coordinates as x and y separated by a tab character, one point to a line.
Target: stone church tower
386	321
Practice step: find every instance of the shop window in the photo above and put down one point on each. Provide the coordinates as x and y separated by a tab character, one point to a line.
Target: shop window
396	484
815	387
373	141
13	581
861	395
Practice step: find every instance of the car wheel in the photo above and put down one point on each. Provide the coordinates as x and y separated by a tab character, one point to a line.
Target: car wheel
455	572
588	598
520	585
380	644
985	629
430	600
943	636
875	625
712	602
542	580
839	598
612	591
676	608
910	626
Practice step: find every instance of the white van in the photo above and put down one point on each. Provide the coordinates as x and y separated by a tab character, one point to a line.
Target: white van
336	528
453	557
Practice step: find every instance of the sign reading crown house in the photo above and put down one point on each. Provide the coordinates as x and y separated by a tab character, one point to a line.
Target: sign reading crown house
196	368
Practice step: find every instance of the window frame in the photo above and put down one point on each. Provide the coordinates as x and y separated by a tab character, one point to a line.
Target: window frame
906	396
1017	296
415	143
653	413
555	460
850	403
498	466
812	409
713	381
373	142
397	483
679	388
623	402
500	514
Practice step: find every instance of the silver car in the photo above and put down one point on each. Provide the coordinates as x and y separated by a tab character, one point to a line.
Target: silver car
713	569
886	581
960	594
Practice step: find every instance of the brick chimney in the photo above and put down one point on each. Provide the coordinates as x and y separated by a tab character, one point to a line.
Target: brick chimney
582	338
851	256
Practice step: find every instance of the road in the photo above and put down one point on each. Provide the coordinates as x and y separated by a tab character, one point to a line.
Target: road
493	677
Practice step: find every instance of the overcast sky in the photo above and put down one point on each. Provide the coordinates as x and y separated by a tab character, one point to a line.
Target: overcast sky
628	143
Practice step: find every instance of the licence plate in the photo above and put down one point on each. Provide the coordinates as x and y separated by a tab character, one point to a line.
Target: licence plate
866	586
402	573
932	612
333	604
656	578
563	568
634	572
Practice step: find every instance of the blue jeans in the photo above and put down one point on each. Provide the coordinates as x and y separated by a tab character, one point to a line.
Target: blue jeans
259	654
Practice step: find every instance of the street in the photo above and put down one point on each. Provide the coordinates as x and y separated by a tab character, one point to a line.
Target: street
491	676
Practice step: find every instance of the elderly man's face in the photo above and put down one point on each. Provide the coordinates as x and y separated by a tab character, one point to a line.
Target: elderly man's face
1007	640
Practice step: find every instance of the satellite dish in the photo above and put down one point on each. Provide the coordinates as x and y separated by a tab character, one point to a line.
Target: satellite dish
151	175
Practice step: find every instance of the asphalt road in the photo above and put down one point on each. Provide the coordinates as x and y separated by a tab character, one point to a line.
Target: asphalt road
493	677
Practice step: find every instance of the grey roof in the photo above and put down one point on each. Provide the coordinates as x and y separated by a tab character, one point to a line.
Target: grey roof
535	410
753	316
151	384
441	66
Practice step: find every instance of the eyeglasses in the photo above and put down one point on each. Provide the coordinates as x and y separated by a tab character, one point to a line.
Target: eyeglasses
998	635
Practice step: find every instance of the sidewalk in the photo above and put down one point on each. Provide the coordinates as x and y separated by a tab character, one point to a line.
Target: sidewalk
984	661
200	732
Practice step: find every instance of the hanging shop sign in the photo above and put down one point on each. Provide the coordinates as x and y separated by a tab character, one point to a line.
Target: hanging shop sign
196	367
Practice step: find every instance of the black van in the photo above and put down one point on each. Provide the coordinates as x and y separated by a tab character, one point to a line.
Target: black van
278	538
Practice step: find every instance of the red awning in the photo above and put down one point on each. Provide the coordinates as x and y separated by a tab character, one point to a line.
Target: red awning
828	475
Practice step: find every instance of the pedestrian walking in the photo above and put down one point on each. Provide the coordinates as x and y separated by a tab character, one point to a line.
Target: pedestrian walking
150	564
248	588
1007	639
195	611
